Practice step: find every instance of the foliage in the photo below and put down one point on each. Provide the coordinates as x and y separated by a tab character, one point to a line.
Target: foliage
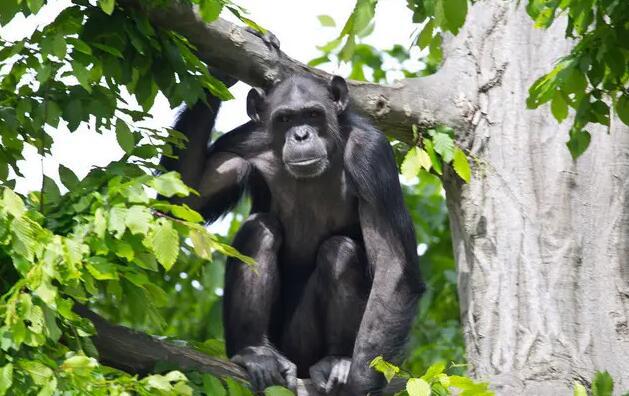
435	381
602	385
436	334
593	78
110	241
437	149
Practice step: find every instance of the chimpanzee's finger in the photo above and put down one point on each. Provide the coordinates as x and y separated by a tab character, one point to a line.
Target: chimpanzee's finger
288	370
333	378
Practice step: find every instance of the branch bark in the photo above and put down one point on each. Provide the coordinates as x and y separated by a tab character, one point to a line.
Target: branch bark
425	102
136	352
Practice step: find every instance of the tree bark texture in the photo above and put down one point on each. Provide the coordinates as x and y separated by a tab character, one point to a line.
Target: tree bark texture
541	241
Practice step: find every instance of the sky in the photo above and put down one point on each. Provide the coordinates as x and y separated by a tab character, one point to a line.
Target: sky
294	22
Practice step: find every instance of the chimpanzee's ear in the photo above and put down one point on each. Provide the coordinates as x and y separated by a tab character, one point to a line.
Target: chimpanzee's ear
338	87
255	99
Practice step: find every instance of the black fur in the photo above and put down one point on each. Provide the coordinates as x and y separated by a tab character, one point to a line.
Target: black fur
337	274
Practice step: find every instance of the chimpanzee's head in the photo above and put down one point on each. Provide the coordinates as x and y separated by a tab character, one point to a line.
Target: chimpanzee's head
301	114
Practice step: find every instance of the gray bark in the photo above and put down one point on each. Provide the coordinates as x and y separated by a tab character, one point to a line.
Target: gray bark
541	242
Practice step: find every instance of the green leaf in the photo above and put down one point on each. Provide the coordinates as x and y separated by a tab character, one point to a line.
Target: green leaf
424	159
425	37
169	184
603	384
388	369
559	107
454	12
79	362
579	390
80	45
51	190
40	373
35	5
158	382
411	165
53	113
326	21
44	72
436	162
444	145
145	260
73	113
82	75
461	165
6	378
109	49
277	391
107	6
47	292
210	9
116	223
101	269
213	386
318	61
165	244
184	212
68	178
331	45
125	137
12	203
417	387
138	219
578	143
157	294
54	332
433	371
59	46
622	108
235	388
8	9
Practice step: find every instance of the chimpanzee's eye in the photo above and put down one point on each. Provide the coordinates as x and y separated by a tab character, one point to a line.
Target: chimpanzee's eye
283	118
314	114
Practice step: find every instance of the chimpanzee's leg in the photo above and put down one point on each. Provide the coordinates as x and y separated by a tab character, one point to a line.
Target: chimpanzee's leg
321	333
251	295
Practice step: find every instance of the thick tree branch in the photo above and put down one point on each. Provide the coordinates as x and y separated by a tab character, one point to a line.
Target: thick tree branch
426	101
138	353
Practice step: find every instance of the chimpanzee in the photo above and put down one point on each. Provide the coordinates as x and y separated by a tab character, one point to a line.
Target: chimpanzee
336	280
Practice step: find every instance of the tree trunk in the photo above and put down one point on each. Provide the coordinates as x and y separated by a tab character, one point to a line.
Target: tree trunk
541	242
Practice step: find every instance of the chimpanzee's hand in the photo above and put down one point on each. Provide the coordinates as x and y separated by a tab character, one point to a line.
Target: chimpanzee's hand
330	373
267	367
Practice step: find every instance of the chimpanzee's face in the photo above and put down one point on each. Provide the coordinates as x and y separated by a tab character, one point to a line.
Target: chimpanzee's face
301	114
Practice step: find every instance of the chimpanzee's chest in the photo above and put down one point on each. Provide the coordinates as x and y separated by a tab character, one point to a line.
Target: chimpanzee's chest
310	211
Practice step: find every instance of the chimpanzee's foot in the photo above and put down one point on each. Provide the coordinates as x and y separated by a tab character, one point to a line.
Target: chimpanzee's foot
330	373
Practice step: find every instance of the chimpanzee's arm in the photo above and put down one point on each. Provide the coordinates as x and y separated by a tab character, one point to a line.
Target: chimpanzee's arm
220	176
391	250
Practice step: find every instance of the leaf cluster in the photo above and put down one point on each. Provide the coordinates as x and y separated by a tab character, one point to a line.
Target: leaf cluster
593	78
108	239
435	381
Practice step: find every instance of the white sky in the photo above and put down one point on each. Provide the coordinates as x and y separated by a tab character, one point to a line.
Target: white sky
294	22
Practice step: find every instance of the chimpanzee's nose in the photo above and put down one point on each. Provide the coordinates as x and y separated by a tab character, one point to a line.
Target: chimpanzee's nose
301	134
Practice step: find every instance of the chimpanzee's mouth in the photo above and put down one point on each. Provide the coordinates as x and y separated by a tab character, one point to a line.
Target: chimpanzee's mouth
305	162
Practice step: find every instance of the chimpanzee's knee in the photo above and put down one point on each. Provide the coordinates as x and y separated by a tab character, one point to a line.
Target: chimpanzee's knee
341	259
